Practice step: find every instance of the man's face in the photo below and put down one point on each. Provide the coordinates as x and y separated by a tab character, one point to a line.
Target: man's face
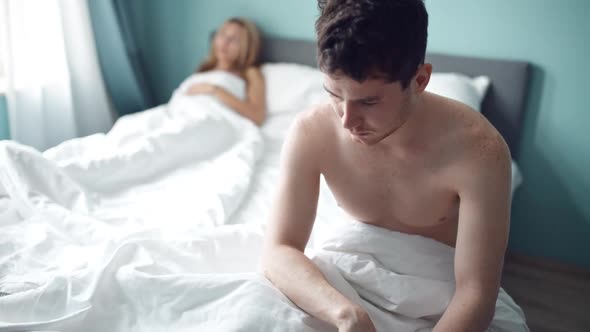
370	110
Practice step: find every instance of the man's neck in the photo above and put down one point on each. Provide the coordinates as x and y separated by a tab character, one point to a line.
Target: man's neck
408	130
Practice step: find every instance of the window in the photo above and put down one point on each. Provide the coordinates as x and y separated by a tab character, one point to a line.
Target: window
2	72
2	47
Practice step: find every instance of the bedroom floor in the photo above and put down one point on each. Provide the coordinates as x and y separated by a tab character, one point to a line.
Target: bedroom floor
554	298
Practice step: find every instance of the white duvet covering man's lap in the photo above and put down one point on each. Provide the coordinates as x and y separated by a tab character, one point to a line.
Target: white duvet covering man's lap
208	280
405	282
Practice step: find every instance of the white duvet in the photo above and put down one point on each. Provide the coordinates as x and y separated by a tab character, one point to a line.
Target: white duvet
158	226
65	214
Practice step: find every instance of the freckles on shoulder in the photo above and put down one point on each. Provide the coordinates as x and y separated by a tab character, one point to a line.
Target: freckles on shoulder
489	161
477	137
491	147
477	150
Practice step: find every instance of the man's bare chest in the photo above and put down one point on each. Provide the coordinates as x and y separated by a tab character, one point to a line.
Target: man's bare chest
411	196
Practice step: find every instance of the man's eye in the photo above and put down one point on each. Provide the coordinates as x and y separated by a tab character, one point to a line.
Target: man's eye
370	103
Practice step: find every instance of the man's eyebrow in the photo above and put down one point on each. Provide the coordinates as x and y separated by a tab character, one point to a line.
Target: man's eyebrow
366	99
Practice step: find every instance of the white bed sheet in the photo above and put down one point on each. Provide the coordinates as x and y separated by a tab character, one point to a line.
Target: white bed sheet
89	247
73	218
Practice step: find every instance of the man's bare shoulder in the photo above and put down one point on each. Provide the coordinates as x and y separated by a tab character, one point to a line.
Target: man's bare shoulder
486	153
311	134
481	140
314	125
474	141
315	118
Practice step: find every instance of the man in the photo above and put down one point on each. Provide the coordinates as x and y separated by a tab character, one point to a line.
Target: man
386	149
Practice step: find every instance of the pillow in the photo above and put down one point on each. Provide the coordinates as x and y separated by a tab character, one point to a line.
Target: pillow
467	90
516	177
291	86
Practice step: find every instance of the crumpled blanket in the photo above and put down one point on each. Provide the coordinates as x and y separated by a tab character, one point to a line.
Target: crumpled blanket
404	281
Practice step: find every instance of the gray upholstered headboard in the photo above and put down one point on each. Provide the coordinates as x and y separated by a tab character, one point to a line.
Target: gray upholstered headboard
504	104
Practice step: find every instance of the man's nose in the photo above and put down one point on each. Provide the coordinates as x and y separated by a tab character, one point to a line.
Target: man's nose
350	117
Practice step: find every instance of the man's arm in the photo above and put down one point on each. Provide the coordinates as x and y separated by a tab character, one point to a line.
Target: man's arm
292	219
484	214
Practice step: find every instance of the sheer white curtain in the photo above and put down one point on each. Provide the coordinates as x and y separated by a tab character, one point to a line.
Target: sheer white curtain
54	87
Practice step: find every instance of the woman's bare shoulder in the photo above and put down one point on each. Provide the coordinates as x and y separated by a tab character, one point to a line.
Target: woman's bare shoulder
252	72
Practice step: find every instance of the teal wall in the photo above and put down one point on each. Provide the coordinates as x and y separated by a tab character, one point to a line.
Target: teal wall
4	132
551	212
173	35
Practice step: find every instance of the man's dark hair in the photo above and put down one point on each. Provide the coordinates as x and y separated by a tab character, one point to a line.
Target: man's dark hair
372	38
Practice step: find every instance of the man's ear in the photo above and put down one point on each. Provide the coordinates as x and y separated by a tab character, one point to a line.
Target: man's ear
422	77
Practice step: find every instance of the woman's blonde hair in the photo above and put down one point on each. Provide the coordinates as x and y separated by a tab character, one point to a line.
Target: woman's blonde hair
250	47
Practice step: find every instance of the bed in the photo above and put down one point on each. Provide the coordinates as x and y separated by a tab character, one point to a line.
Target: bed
103	233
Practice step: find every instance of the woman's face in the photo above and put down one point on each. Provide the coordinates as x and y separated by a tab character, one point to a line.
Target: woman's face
228	43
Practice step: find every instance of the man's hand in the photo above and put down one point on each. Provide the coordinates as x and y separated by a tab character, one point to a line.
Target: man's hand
356	319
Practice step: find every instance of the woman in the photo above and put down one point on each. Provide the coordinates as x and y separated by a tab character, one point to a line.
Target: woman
235	50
